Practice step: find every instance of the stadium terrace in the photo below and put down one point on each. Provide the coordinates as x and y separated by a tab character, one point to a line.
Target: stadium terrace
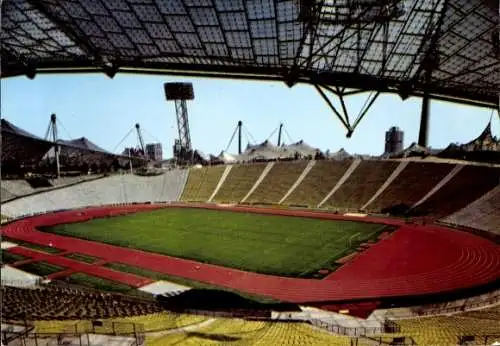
274	245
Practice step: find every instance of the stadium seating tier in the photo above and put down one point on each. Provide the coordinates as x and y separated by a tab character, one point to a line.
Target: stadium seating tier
239	182
277	182
482	214
416	179
446	330
201	183
59	303
111	190
464	188
363	183
318	183
241	332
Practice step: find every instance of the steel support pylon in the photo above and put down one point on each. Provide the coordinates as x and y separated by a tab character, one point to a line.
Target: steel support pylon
183	124
51	135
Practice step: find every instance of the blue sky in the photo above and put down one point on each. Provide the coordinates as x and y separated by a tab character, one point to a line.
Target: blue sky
104	110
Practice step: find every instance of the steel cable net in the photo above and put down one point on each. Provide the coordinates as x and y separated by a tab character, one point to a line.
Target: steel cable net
362	44
21	147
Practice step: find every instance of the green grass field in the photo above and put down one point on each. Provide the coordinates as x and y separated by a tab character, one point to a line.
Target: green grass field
98	283
9	257
287	246
40	268
81	257
32	246
94	282
182	281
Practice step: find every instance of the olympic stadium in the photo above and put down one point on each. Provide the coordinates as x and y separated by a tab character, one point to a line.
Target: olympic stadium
274	245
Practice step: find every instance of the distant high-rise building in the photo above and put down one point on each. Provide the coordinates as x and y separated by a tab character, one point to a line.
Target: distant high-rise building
154	151
394	140
128	151
134	152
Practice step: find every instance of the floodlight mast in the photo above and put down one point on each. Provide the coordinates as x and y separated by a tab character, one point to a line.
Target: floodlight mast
180	93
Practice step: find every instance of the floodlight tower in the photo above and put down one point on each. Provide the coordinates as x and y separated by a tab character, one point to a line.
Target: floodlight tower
180	93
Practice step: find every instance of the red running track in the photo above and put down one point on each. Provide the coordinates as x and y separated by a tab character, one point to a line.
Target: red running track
74	266
415	260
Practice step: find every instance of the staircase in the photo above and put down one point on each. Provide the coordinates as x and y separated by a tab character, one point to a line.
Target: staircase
257	183
341	181
304	173
439	185
221	181
388	182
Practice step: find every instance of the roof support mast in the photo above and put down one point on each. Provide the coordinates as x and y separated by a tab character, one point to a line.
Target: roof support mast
240	124
423	133
139	137
429	64
238	129
52	135
279	134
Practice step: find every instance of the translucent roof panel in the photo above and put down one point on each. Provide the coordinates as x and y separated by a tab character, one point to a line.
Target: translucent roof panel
447	47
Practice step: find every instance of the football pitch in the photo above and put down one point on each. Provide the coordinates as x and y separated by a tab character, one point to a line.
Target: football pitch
268	244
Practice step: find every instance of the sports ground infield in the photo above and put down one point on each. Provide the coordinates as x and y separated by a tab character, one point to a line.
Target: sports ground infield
266	244
414	260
